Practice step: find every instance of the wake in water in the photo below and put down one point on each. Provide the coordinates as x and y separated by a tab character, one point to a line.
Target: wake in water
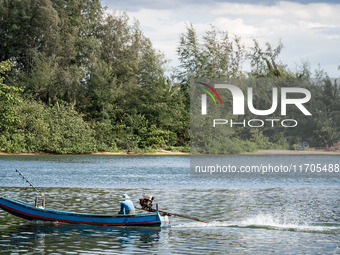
266	221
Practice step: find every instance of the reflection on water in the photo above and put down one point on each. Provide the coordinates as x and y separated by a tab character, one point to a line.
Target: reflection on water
252	216
47	238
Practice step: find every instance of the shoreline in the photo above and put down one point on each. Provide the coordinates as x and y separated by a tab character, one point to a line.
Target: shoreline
292	152
162	153
170	153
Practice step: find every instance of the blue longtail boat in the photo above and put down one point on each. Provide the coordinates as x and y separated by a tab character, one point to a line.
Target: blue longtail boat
31	212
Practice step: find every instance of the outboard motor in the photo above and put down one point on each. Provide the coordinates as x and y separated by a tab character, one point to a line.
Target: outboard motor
146	202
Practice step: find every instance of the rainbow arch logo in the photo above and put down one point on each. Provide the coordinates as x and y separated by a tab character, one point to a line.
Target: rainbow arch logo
209	93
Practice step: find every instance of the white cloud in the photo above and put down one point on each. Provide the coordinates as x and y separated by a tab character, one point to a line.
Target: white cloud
236	26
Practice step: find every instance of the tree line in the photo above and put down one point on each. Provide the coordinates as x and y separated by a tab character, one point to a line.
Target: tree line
76	79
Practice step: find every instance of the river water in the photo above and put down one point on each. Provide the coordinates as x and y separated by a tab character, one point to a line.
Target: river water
247	215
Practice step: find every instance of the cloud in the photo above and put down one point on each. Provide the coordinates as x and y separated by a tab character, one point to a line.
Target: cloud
308	30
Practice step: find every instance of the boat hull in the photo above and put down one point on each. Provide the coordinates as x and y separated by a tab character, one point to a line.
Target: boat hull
30	212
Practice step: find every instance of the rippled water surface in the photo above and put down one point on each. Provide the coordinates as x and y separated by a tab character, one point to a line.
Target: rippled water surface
246	215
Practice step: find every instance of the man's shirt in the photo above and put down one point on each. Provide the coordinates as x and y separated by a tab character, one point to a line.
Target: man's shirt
126	205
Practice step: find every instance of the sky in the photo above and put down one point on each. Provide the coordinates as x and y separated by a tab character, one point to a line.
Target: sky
308	29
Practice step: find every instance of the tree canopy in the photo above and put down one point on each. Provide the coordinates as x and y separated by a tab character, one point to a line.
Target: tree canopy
80	79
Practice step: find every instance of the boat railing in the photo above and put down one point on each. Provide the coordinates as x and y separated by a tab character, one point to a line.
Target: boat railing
42	201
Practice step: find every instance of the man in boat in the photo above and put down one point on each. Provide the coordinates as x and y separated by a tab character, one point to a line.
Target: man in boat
126	205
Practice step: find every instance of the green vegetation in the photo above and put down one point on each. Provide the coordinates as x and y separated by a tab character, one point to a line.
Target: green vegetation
81	80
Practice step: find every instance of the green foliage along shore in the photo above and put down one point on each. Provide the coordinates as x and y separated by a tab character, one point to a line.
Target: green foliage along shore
77	79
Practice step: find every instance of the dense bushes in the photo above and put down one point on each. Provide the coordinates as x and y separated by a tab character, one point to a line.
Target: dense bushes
55	129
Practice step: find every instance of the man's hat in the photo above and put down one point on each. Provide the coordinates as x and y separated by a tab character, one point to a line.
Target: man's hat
125	196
